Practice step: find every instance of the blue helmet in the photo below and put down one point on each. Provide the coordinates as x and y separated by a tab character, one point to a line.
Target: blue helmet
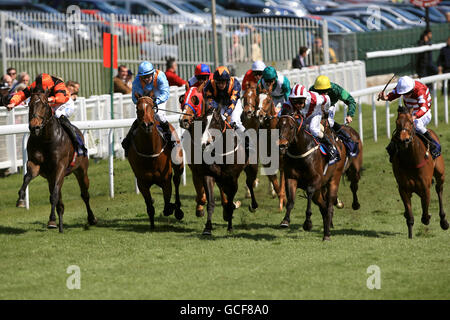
145	68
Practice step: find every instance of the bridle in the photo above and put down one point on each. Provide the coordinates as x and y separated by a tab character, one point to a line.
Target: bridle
44	119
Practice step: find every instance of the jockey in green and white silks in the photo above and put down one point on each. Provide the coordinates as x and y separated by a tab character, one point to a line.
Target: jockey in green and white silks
280	85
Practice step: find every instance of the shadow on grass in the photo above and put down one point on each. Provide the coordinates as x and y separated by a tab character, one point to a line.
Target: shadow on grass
142	225
362	233
10	230
233	234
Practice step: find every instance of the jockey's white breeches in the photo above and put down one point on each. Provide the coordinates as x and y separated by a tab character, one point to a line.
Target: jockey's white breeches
421	123
66	109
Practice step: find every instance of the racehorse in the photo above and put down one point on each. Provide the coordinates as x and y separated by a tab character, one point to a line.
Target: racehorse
305	168
414	169
225	174
353	167
151	161
51	154
268	119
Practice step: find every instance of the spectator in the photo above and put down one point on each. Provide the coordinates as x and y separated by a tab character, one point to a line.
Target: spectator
7	79
256	48
237	51
171	74
424	64
443	62
317	52
13	74
4	90
120	80
300	60
23	78
74	88
129	81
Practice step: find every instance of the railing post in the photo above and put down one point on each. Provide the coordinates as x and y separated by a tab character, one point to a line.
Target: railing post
388	120
435	104
446	100
374	119
3	47
111	162
326	46
11	144
25	160
360	119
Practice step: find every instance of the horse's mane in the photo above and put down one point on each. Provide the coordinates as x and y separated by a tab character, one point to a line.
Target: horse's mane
402	109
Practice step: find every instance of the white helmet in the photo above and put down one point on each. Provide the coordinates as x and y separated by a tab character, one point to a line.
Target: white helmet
258	66
404	85
299	91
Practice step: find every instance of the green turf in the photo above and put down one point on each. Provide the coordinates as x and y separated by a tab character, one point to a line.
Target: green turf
122	259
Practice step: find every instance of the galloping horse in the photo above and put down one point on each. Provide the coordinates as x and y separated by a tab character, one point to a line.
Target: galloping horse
305	168
225	174
268	119
414	170
52	155
151	162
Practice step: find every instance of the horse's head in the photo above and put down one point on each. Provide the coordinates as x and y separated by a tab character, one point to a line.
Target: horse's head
404	132
39	111
145	112
288	131
191	104
267	111
214	121
251	103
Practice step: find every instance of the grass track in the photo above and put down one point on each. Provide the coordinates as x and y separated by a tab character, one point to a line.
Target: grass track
121	259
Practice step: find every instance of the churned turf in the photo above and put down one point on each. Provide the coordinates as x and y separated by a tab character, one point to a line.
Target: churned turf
121	258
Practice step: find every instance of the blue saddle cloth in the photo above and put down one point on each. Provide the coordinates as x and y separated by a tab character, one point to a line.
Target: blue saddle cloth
350	145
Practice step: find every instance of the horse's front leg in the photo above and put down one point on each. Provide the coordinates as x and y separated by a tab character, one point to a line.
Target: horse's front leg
32	172
208	183
251	171
54	186
230	188
291	189
439	176
200	199
406	198
307	225
177	172
167	193
144	189
425	201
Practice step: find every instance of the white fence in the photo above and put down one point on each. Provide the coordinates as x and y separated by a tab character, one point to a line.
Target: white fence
351	75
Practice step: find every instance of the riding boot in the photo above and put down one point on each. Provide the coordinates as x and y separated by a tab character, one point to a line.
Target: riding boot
167	134
341	133
79	147
332	150
391	149
127	140
435	147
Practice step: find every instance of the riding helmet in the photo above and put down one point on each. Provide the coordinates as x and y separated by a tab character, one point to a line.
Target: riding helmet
405	84
298	91
145	68
222	74
258	66
202	70
322	83
269	73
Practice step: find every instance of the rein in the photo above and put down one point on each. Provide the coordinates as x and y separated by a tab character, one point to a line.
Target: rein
155	155
307	153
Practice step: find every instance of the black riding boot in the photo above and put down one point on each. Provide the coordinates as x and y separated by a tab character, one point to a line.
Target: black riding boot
65	123
435	147
127	140
341	133
391	149
167	133
333	152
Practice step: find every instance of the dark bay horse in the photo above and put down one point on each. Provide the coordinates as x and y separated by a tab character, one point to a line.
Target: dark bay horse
305	168
222	172
414	169
153	162
51	155
268	119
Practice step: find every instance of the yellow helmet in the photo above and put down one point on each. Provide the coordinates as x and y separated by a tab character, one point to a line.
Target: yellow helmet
322	83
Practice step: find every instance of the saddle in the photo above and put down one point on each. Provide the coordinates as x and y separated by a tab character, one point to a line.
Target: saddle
351	146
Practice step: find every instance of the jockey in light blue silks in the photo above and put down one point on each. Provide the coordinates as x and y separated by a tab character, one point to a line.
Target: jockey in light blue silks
151	81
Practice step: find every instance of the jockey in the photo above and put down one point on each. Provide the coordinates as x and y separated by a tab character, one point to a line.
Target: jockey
280	85
59	100
224	90
310	106
322	85
201	75
416	96
150	81
253	75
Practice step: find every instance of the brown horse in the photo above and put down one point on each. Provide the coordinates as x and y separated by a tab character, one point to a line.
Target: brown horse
268	119
222	172
353	167
51	155
305	168
152	163
414	170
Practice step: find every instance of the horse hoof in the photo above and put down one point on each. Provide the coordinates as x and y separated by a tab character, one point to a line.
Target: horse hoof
93	222
251	209
274	194
199	213
426	219
179	214
284	224
230	230
168	210
207	232
326	238
339	204
444	224
307	226
52	225
237	204
20	204
356	206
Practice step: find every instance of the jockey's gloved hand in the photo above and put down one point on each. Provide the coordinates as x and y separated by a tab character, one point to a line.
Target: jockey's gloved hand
214	104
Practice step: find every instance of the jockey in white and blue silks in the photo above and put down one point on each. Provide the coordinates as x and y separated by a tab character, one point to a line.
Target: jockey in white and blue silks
279	84
150	80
